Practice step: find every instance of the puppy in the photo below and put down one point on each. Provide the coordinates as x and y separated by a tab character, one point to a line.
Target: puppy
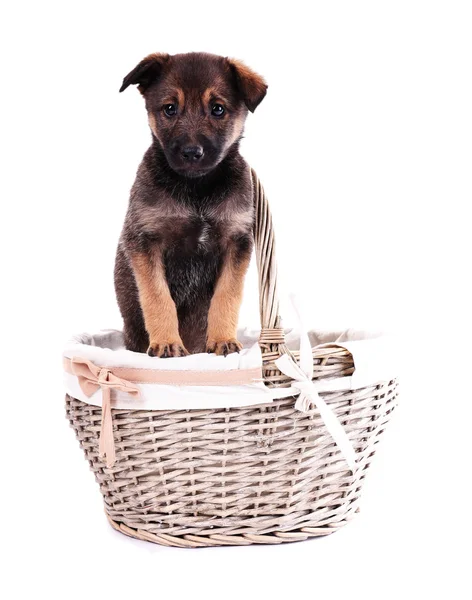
187	237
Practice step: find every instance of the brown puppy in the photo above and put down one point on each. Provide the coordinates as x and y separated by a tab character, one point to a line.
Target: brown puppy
187	237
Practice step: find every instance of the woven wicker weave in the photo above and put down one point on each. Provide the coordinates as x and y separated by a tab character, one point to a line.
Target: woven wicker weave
265	474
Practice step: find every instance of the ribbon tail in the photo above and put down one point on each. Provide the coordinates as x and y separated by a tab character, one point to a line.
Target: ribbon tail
106	445
337	432
302	375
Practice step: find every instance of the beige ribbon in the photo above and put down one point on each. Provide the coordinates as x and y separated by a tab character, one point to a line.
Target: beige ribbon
91	378
302	375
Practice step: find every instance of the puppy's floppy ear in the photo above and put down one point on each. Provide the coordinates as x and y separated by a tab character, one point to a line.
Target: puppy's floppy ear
251	86
146	72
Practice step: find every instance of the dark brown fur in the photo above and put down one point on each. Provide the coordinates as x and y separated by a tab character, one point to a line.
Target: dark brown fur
187	237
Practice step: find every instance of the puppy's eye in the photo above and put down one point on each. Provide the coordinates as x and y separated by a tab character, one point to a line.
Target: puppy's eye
170	110
217	110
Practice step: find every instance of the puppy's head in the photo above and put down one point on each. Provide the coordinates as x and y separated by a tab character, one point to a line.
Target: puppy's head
197	104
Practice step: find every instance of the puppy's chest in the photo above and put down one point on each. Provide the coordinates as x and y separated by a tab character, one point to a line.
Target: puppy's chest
200	234
192	259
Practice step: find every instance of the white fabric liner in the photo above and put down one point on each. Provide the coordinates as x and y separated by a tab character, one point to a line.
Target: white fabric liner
373	353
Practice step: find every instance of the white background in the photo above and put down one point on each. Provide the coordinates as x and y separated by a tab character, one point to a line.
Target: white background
364	146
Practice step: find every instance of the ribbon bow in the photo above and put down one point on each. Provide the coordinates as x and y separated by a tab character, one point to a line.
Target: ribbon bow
91	378
302	374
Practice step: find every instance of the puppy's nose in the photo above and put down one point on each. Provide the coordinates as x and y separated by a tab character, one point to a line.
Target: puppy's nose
192	153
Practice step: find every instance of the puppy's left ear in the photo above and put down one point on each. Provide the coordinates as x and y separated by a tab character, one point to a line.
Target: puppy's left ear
251	86
146	72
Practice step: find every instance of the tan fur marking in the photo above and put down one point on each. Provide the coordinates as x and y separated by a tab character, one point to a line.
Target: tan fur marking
226	301
206	96
160	314
237	130
180	98
212	94
153	124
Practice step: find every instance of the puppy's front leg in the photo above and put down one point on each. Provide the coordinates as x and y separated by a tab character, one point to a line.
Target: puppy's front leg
226	301
160	314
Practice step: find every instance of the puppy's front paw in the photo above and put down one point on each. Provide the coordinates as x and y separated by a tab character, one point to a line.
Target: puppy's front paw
167	349
223	347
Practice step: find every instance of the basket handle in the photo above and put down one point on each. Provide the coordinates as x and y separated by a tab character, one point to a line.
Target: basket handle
272	334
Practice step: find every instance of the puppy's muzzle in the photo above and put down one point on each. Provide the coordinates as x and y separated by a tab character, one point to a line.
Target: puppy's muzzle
192	153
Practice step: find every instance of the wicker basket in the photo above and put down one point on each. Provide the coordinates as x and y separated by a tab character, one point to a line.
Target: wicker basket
262	474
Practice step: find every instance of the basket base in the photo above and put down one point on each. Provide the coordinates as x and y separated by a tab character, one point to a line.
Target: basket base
200	541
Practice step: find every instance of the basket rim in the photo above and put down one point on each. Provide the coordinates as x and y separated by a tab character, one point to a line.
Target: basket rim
107	343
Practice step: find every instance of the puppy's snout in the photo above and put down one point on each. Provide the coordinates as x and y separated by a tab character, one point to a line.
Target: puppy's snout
192	153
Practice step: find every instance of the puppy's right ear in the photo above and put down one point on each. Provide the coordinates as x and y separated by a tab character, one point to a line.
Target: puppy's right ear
146	72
